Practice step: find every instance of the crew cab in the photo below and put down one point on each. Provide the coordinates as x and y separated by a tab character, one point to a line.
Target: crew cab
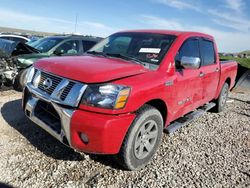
119	97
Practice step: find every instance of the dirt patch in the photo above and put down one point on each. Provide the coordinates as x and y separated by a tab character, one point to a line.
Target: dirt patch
5	91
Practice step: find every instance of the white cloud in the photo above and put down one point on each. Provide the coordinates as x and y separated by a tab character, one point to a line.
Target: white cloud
233	17
227	41
221	17
15	19
235	5
179	4
226	19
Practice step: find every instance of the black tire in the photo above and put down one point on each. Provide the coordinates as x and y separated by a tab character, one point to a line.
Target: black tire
131	157
222	100
18	84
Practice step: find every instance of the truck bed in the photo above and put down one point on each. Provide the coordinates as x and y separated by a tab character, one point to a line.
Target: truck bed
228	70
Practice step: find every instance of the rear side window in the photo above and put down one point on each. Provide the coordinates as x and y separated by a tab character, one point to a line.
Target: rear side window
87	45
207	52
190	48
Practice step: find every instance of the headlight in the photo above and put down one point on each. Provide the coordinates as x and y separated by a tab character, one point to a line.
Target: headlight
108	96
29	75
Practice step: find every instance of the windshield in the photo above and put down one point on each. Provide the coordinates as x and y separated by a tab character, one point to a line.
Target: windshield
147	48
45	44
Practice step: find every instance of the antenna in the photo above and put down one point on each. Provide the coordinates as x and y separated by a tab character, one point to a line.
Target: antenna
76	21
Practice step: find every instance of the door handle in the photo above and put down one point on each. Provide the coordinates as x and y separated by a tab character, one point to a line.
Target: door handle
217	70
201	74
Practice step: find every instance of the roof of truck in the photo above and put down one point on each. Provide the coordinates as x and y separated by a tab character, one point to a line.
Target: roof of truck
170	32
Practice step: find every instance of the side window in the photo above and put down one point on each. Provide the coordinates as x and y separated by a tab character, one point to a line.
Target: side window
87	45
207	52
68	47
190	48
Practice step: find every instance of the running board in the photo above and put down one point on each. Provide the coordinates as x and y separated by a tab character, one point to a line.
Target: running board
181	122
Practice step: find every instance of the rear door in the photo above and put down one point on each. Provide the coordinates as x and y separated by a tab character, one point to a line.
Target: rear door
210	70
188	84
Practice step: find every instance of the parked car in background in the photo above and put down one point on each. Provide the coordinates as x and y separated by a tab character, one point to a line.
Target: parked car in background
62	45
16	38
119	96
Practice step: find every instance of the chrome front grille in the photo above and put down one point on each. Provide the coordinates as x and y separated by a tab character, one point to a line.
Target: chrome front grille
67	90
55	82
57	89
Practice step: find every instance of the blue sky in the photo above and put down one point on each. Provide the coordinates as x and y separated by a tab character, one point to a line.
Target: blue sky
227	20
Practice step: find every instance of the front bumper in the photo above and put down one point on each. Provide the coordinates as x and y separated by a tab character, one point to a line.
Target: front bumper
105	133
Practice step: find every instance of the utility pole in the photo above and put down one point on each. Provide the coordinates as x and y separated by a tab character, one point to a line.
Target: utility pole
76	22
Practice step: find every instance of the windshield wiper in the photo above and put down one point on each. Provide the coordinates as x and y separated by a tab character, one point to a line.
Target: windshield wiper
125	57
96	53
137	61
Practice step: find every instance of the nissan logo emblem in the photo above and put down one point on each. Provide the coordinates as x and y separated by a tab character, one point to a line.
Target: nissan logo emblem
47	83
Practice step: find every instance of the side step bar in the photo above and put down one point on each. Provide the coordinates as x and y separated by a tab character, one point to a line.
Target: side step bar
181	122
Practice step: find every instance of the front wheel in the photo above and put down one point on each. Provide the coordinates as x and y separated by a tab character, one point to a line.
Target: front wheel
222	100
19	80
142	139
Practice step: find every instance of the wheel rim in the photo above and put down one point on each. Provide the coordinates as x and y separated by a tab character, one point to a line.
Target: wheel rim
224	97
145	139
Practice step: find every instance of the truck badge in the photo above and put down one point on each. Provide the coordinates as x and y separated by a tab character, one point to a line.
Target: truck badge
47	83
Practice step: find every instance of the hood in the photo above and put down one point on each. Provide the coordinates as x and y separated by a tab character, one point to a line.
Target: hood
28	59
89	69
11	48
33	56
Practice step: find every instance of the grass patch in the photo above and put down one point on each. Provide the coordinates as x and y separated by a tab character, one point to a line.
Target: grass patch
245	62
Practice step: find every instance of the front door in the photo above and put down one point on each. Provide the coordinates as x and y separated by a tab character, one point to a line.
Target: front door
187	85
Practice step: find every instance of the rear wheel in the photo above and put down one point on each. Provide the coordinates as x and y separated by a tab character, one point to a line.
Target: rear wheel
222	100
142	139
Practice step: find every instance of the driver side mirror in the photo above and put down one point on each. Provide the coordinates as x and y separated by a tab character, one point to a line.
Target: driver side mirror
190	62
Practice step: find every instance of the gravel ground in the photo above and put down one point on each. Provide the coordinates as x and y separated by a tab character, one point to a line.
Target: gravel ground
212	151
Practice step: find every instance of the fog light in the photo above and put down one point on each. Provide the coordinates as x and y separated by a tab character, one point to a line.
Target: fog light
27	113
84	138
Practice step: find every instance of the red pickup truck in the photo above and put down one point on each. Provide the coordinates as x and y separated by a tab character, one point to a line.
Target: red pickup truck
120	96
